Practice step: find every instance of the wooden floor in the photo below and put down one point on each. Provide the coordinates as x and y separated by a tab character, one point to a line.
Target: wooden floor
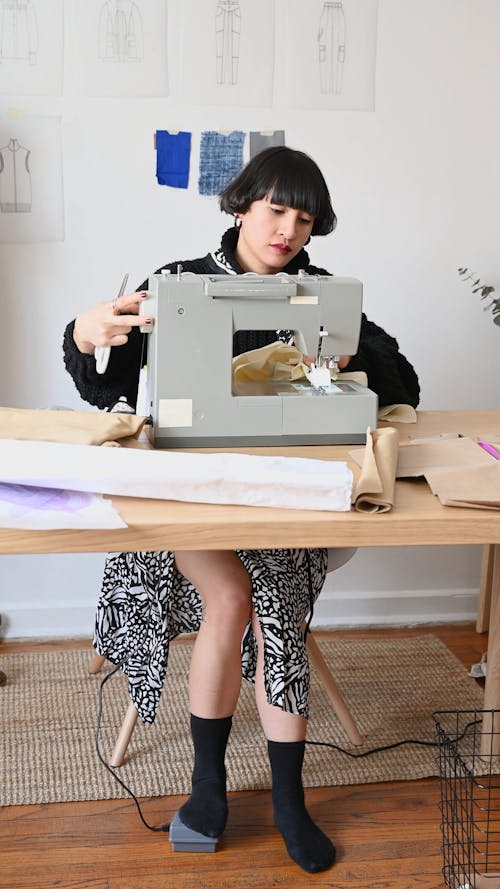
387	835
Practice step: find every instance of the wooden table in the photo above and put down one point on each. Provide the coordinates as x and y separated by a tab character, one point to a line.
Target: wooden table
417	519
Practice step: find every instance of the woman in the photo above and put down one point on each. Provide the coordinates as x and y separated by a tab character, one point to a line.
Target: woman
248	607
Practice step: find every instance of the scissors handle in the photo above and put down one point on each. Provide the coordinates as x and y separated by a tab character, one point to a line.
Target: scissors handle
102	353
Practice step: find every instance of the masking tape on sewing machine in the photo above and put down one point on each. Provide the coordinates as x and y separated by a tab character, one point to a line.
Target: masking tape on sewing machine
173	412
304	299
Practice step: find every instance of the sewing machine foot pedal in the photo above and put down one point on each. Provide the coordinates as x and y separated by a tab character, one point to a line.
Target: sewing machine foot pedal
184	839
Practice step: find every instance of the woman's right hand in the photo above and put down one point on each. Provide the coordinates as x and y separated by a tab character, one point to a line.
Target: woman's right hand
109	323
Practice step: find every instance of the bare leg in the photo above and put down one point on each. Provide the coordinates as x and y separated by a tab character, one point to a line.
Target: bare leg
277	724
226	593
306	844
214	679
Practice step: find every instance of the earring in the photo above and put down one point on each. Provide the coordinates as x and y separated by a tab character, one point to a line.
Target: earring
237	221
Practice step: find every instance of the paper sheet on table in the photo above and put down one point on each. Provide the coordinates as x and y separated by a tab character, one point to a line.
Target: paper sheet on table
296	483
443	453
374	491
34	508
78	427
416	459
477	487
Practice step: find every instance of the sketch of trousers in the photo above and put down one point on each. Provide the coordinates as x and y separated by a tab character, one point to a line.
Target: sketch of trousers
331	47
15	178
18	30
120	32
227	40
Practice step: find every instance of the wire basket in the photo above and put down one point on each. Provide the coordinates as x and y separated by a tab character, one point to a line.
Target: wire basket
469	766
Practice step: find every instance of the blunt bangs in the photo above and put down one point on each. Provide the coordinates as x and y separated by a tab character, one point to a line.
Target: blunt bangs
286	177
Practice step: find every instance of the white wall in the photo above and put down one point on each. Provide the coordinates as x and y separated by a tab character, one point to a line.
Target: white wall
416	187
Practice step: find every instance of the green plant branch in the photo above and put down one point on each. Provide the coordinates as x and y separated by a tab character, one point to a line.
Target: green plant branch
485	290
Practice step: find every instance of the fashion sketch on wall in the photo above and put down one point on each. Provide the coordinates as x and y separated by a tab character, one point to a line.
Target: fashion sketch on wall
31	47
15	178
227	40
120	32
331	47
122	47
31	188
336	43
227	52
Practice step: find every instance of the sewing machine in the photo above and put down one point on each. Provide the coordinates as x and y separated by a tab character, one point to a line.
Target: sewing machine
190	392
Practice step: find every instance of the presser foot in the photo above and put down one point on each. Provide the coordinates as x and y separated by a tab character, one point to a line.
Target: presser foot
184	839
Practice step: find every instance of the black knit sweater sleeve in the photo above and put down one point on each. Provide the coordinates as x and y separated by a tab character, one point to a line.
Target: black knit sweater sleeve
389	373
121	377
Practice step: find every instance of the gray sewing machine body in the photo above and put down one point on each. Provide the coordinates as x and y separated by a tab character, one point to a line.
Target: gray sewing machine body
192	399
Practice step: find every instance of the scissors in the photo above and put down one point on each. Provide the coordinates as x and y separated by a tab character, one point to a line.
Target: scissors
102	353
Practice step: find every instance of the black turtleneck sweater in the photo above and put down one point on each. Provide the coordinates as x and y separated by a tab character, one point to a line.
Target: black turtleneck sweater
389	373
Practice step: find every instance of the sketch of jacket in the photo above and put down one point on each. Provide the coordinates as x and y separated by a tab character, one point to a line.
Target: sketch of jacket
120	32
331	47
18	30
227	40
15	178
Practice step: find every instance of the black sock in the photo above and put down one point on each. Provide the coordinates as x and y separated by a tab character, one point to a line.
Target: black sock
306	844
206	808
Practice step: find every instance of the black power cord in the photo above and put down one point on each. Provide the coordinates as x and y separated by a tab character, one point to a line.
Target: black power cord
307	629
162	827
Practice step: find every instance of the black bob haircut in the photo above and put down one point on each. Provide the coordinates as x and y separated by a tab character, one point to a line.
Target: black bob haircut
289	178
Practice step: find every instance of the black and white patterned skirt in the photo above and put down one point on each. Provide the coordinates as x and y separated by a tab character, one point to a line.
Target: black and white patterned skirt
145	602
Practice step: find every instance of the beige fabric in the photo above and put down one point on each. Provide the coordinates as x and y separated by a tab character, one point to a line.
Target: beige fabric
374	491
457	470
72	427
281	362
398	413
277	361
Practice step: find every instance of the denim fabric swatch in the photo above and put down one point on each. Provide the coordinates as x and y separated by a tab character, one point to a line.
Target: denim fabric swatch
221	158
173	152
260	141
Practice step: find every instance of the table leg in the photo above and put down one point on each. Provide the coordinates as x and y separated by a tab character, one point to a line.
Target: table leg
490	744
484	602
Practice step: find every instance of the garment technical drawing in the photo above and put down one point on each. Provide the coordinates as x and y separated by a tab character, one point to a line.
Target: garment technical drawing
120	32
331	47
18	30
227	40
15	178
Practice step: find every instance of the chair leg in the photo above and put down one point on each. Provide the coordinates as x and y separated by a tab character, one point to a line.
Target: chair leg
125	734
333	691
128	724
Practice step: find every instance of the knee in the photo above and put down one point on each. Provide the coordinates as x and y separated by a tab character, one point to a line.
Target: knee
231	605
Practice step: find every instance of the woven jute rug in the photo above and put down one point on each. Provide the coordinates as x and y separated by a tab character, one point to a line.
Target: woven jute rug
49	710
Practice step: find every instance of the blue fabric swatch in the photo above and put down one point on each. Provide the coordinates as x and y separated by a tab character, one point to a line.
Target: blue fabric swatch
173	152
221	159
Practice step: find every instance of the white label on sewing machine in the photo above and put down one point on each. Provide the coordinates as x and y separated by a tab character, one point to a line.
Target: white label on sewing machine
175	412
304	299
